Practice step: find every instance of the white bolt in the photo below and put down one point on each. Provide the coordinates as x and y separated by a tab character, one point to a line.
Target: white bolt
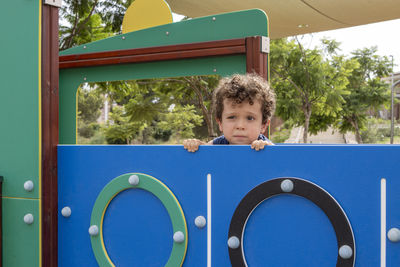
84	78
28	186
200	221
214	18
123	37
394	235
345	252
167	33
287	186
214	70
179	237
28	218
93	230
84	47
66	212
134	180
233	242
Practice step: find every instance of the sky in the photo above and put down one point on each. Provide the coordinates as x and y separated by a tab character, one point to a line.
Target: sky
384	35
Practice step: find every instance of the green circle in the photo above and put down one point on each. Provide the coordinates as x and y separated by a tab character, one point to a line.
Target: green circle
152	185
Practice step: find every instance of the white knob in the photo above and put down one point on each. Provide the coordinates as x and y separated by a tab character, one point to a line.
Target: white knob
28	218
179	237
28	186
93	230
233	242
200	221
133	180
66	212
287	186
345	252
394	235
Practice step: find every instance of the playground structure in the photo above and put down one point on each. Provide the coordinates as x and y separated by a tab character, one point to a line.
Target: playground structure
69	205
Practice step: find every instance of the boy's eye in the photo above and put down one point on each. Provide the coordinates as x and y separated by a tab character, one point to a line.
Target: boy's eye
250	118
230	117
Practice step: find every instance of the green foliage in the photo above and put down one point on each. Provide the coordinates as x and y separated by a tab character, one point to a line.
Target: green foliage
282	134
89	105
120	130
181	120
157	110
84	21
367	91
308	86
377	131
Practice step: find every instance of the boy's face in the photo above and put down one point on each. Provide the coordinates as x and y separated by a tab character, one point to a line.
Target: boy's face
241	123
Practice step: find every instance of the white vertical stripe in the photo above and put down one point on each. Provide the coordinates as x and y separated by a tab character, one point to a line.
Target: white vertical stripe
383	222
208	220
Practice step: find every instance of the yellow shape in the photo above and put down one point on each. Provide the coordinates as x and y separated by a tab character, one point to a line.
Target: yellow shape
142	14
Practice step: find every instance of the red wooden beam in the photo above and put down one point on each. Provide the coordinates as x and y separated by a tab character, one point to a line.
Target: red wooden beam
160	53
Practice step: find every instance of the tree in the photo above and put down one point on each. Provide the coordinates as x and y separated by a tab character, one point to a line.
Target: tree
367	91
181	120
89	105
120	130
309	88
83	21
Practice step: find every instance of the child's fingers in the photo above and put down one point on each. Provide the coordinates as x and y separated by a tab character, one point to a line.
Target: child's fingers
191	145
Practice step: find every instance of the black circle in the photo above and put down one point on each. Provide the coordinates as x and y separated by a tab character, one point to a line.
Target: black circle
303	188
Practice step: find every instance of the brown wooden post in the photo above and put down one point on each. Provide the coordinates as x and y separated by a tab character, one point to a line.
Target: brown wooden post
256	60
49	88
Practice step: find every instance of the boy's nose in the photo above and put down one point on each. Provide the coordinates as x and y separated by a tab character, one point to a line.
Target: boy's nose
240	125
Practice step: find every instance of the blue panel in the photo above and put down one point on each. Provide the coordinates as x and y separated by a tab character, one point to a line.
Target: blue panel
279	228
282	229
137	221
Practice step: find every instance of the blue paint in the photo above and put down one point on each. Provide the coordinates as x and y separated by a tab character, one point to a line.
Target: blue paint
351	174
132	224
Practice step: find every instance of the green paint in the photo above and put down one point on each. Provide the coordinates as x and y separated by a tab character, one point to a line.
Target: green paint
20	240
225	26
154	186
70	79
19	97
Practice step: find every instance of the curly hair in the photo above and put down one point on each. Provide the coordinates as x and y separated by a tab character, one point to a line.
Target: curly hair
244	88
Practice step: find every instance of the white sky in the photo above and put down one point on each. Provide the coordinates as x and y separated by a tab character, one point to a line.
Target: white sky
384	35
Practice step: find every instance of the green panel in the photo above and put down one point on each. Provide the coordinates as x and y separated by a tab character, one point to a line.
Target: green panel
19	96
71	78
218	27
20	240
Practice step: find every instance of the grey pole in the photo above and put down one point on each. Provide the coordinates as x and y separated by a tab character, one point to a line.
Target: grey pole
391	106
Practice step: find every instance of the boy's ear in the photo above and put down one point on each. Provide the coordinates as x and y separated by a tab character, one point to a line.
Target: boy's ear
264	126
219	124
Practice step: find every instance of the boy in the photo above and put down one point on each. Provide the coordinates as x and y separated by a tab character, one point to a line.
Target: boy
244	105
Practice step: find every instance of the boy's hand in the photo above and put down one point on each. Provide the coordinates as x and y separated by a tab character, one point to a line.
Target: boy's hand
192	145
259	144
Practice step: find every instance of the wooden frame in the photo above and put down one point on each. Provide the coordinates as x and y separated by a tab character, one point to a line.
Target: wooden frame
49	90
256	61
